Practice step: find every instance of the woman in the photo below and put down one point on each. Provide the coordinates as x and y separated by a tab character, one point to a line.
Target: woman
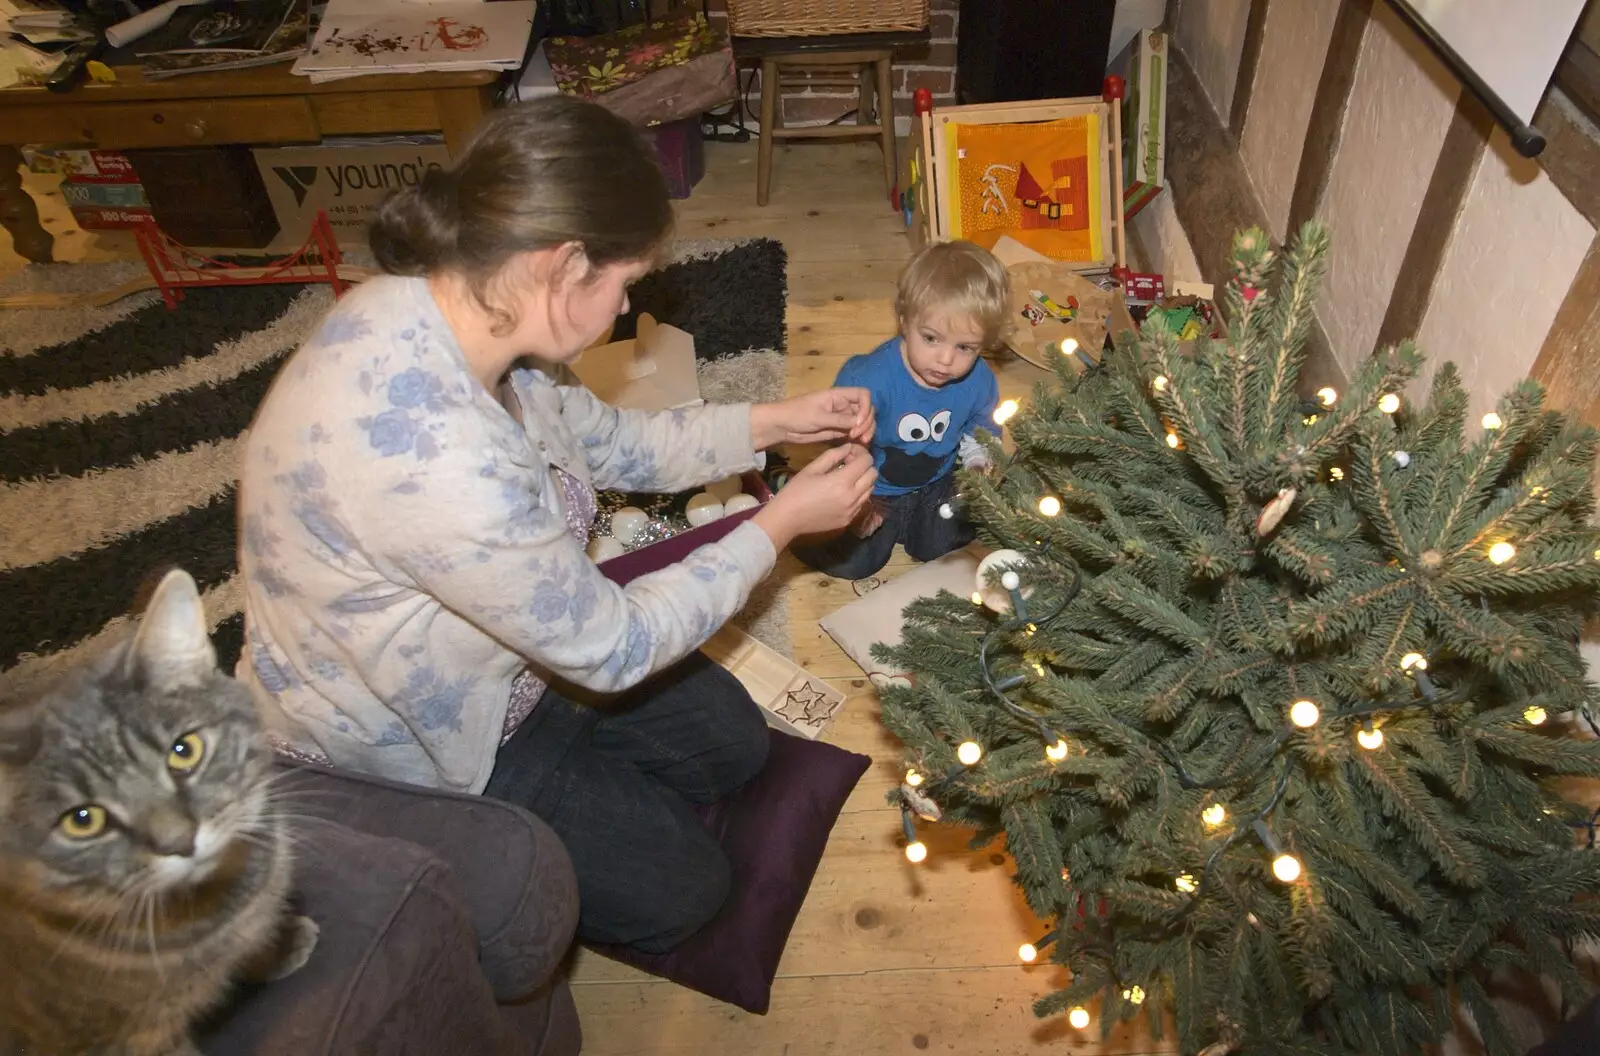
415	501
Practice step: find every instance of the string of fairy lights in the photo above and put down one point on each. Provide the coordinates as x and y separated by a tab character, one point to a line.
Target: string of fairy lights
1006	568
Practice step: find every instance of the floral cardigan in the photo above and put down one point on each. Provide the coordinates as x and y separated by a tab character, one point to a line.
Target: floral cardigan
405	547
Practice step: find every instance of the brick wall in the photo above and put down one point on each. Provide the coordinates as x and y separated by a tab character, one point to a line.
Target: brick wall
820	96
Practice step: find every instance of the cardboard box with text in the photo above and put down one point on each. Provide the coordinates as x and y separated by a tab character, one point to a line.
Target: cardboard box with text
349	178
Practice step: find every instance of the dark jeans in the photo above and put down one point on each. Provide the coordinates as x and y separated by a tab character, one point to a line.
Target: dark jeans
615	783
911	519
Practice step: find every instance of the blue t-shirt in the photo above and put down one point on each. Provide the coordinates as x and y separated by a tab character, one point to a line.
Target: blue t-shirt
919	429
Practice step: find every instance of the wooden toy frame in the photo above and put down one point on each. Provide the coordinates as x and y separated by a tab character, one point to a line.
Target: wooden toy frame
929	210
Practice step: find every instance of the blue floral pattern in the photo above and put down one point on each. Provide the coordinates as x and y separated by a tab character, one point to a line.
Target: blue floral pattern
407	548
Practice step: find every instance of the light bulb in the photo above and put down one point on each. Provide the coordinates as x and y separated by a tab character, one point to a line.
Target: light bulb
913	777
1159	383
916	851
1185	882
1010	580
1049	505
1310	419
946	511
1173	441
1066	875
1388	403
1370	738
977	599
1078	1017
1413	661
1286	867
1335	473
1056	752
1069	346
969	753
1134	995
1535	715
1006	411
1492	421
1304	714
1501	552
1328	395
1214	815
1028	952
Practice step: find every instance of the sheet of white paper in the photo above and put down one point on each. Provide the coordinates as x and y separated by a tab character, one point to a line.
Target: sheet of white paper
355	35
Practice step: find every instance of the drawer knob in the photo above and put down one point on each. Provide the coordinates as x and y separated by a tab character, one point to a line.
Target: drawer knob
196	128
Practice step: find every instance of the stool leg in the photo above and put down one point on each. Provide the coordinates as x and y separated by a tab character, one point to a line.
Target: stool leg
864	99
769	121
886	119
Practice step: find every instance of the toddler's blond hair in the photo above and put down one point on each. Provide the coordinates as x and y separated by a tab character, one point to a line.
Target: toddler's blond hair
955	280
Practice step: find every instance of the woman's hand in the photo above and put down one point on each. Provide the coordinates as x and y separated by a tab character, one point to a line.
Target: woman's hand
817	417
825	496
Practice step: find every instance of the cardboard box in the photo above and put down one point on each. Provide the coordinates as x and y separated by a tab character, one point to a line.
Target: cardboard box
110	218
349	178
630	566
654	371
1144	121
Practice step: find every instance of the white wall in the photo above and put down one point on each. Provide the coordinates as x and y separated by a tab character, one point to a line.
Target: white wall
1511	259
1211	34
1401	105
1294	45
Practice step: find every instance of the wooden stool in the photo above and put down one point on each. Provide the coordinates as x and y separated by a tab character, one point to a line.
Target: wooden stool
873	56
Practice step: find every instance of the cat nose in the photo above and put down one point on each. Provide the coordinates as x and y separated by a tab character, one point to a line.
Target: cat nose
170	831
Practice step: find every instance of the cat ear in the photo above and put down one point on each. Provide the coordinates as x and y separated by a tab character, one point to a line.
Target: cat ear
19	731
173	649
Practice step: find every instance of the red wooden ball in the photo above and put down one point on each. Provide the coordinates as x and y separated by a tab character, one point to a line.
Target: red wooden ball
1114	87
922	101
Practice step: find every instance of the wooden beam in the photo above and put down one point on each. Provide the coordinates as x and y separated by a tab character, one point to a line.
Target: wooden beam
1569	360
1571	155
1213	197
1327	111
1463	147
1255	32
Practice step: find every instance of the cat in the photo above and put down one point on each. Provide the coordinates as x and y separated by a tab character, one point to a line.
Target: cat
143	868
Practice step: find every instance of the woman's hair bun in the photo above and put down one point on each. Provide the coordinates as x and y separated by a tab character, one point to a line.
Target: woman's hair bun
417	227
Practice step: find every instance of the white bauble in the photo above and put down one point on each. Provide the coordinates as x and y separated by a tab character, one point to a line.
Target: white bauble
703	509
628	522
604	548
994	595
739	503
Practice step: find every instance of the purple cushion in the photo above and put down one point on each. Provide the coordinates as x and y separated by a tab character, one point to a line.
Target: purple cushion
773	831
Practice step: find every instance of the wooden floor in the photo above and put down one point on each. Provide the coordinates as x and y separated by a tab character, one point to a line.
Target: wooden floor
886	957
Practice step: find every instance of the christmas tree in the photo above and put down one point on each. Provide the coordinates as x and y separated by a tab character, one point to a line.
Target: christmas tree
1270	694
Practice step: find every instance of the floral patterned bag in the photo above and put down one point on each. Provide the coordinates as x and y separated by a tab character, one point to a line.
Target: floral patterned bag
650	73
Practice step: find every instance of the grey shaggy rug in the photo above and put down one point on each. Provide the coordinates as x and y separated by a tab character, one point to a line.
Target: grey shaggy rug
120	430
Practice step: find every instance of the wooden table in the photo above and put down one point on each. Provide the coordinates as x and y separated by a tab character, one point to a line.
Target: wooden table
267	105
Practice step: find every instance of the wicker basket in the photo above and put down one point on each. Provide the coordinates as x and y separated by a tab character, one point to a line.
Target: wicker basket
820	18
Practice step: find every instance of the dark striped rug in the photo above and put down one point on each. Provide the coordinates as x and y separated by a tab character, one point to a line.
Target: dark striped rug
120	428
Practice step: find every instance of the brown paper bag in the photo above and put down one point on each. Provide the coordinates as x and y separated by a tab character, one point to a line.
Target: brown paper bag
1036	341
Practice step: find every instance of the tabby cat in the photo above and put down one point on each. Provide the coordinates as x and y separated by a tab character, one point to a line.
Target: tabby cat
143	869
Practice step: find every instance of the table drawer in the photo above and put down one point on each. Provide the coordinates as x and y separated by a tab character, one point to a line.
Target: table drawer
181	123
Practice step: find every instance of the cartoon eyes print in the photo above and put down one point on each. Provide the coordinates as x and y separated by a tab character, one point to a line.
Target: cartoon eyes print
914	428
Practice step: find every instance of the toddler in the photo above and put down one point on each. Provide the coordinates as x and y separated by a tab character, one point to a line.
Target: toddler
930	391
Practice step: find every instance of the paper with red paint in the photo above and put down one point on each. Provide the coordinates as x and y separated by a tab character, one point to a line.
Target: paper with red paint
362	37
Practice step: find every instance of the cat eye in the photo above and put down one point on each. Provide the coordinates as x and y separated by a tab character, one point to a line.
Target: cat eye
186	752
83	823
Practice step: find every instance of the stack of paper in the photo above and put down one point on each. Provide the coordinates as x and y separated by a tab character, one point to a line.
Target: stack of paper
31	38
359	37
